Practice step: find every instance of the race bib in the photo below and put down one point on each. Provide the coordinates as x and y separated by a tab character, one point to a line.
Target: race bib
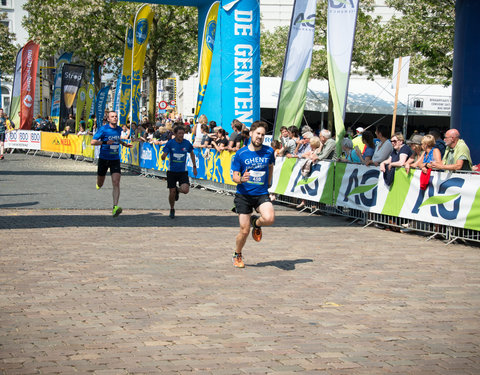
257	177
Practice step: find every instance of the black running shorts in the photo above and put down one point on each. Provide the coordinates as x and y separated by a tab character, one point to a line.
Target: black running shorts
104	165
245	204
174	177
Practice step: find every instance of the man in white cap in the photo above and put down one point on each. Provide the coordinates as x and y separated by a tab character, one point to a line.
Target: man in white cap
357	141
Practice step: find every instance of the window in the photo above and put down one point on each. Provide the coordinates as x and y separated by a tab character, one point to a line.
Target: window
3	3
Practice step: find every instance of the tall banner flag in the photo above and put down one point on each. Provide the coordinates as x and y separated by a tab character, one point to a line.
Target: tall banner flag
341	23
141	32
116	100
89	100
15	98
29	78
57	88
296	69
206	53
101	104
126	80
71	79
82	98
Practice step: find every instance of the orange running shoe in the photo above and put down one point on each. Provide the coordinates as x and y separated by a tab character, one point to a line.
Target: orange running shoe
256	231
238	261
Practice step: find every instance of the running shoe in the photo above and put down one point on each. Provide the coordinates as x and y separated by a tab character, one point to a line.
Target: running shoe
117	210
1	157
172	213
177	193
256	231
238	261
98	187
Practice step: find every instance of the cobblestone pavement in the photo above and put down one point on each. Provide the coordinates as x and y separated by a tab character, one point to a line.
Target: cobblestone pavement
81	292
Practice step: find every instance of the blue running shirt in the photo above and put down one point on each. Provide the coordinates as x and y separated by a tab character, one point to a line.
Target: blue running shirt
177	152
106	133
257	163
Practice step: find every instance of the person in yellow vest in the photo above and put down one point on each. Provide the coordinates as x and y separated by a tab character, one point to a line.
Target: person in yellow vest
457	154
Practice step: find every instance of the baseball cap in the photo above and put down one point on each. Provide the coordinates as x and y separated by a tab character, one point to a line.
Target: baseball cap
359	130
415	139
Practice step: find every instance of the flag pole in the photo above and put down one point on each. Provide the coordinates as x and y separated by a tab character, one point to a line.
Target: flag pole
394	119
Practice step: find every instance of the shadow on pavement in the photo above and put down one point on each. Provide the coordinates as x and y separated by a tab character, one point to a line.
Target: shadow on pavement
286	265
20	220
48	173
17	205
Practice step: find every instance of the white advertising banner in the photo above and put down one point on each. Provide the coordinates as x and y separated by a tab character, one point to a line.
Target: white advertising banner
24	139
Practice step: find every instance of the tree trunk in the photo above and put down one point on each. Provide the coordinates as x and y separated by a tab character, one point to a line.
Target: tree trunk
96	76
330	111
152	77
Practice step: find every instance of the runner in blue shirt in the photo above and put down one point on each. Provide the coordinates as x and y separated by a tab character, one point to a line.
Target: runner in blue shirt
108	138
252	168
177	149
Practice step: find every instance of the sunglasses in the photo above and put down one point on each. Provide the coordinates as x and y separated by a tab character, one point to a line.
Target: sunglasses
393	141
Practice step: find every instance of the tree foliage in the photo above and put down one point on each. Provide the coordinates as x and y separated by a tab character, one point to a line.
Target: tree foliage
95	32
8	51
425	31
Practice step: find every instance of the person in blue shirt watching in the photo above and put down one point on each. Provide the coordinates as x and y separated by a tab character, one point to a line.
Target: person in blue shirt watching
108	138
252	169
177	149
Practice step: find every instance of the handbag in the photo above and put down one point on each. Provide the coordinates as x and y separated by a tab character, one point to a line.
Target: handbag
425	179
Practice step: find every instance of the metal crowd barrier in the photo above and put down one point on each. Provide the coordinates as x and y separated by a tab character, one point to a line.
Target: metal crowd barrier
448	234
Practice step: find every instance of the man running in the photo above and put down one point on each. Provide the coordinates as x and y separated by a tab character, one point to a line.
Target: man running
252	169
177	149
108	138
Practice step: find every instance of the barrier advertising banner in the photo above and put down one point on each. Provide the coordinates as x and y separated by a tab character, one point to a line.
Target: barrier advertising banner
29	78
55	142
296	70
23	139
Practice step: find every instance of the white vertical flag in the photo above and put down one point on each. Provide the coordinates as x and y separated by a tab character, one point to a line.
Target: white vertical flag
296	70
341	23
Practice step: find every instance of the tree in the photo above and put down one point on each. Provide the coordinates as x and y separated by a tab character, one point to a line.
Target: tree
8	51
93	30
173	47
425	31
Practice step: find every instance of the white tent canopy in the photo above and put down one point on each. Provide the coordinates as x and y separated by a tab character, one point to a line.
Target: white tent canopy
366	96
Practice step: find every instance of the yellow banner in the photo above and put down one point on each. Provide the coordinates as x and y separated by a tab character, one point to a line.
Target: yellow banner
143	24
81	98
87	149
130	155
55	142
206	53
126	85
89	100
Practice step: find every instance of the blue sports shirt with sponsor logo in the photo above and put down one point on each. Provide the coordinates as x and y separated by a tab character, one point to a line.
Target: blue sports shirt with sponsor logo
257	163
105	134
177	152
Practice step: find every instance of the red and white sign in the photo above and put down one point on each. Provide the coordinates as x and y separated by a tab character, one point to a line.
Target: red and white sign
24	139
163	105
173	103
29	76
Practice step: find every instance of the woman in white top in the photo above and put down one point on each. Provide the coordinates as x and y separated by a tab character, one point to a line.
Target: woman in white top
384	148
197	130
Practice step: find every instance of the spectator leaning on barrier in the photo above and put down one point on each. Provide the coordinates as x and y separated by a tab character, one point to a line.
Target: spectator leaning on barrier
303	146
384	148
368	150
237	127
289	144
399	156
439	142
221	142
457	155
350	156
327	146
415	143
